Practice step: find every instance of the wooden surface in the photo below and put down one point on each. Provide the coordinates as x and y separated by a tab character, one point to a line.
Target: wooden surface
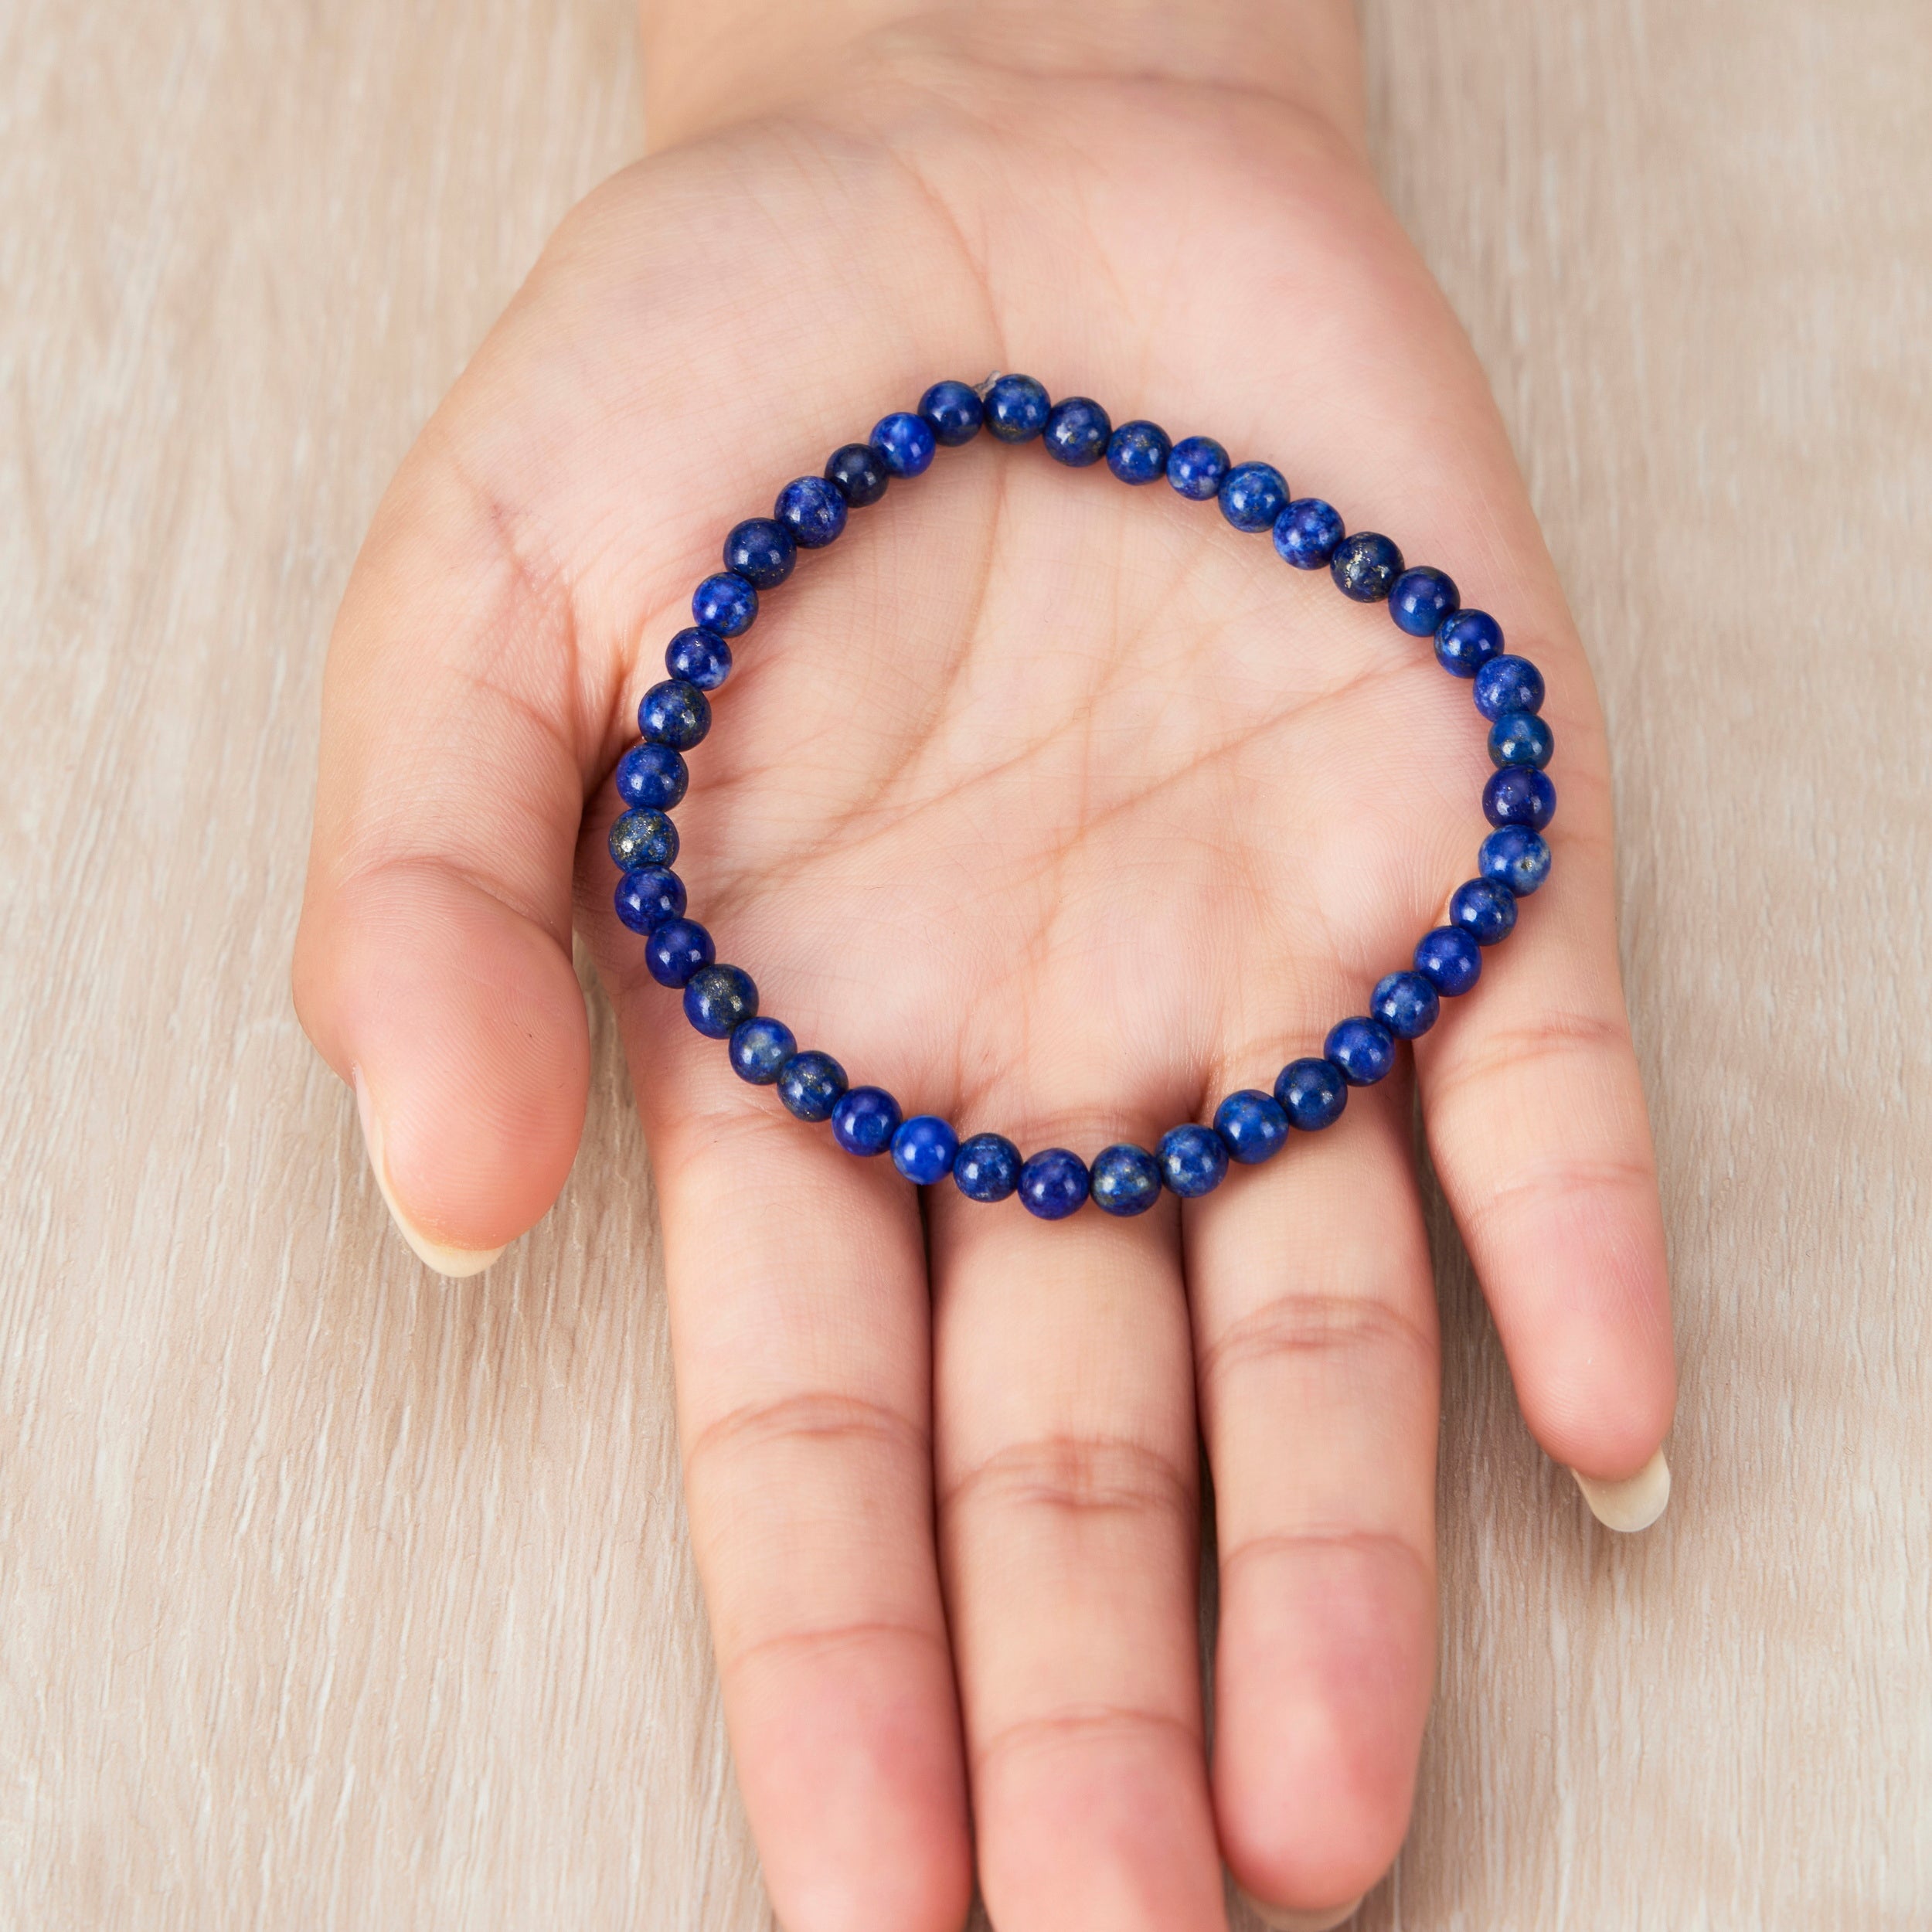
330	1597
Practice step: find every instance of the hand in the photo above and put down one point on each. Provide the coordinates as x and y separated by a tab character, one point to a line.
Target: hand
1058	808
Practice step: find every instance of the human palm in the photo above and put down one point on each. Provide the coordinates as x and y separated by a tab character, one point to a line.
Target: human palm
1058	809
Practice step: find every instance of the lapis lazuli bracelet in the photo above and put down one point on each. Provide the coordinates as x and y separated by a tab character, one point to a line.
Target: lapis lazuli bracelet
722	1001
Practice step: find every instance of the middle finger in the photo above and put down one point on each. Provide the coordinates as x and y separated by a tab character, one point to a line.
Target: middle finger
1067	1472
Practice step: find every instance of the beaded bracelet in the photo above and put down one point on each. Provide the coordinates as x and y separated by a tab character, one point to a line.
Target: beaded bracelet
722	1001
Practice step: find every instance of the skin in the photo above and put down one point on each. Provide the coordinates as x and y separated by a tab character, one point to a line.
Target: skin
1056	807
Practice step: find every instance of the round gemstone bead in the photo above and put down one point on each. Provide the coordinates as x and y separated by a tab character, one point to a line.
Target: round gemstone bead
1449	960
1252	495
1507	683
1016	409
1193	1160
676	949
760	1050
652	775
1052	1184
924	1149
1137	453
1365	567
725	604
645	837
1406	1003
1519	795
648	896
855	472
1253	1126
761	550
1306	532
718	1000
1077	432
1197	467
1421	598
953	412
1364	1048
1466	640
1521	738
1312	1093
674	713
1484	909
904	442
813	510
810	1084
987	1168
864	1120
698	657
1515	856
1126	1180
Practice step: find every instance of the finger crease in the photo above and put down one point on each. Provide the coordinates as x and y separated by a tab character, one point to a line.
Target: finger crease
1314	1325
1086	1724
814	1415
1367	1542
1078	1475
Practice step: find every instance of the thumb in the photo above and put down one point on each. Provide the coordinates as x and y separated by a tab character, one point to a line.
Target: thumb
433	967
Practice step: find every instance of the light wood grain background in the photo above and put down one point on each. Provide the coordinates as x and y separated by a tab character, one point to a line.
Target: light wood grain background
336	1597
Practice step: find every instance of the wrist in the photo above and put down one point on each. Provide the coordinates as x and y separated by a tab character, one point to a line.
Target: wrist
732	61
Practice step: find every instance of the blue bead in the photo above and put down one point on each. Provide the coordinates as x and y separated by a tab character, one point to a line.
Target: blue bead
924	1149
904	442
1125	1180
955	412
1254	1127
813	510
761	551
1193	1160
988	1168
760	1050
1449	960
1518	795
676	949
1364	1048
1052	1184
1515	856
1521	738
652	775
855	472
1137	453
725	604
864	1120
645	837
698	657
1312	1093
1421	599
1406	1003
1077	432
1484	909
718	1000
1306	532
810	1084
1466	640
648	896
1365	567
674	713
1198	467
1252	495
1508	684
1016	409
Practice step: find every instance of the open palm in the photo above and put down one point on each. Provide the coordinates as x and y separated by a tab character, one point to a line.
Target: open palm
1060	809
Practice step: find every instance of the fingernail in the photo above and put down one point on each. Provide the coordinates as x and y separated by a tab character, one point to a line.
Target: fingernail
1634	1503
454	1262
1285	1918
